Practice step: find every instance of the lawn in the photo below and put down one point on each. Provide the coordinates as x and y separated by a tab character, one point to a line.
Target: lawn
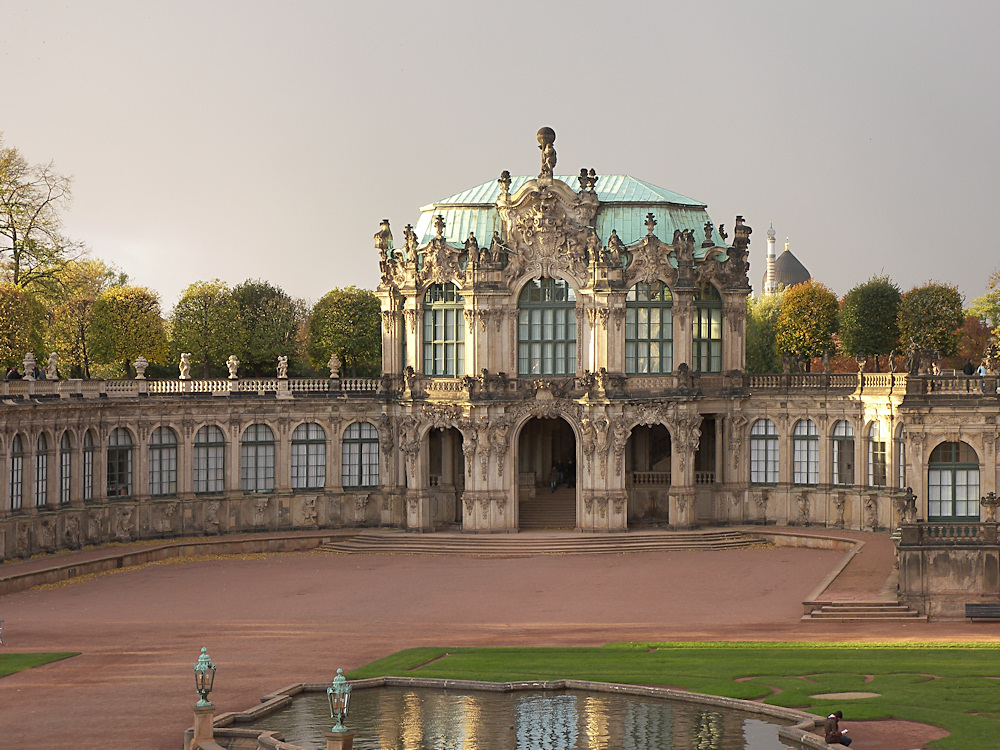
11	663
951	685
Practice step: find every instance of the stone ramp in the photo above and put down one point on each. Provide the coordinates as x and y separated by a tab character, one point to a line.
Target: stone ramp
538	543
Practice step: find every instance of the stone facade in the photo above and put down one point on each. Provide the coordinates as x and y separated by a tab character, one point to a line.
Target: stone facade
528	322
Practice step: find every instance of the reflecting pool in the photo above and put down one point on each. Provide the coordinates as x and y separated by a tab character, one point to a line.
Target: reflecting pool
404	718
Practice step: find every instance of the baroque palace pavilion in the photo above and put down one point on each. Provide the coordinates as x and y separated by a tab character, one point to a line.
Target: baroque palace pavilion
590	325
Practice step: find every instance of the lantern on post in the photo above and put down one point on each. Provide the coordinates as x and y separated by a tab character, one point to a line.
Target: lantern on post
204	677
339	696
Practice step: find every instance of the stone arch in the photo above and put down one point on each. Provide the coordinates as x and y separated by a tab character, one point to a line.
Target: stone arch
547	460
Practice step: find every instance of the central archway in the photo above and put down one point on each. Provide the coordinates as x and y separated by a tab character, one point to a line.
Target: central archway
546	475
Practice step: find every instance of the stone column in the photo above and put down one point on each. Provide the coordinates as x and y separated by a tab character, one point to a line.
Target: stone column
339	740
204	730
683	330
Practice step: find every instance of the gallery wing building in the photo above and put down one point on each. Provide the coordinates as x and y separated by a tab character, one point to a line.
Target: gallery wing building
558	351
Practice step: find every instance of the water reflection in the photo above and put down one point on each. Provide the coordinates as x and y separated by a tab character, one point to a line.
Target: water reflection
430	719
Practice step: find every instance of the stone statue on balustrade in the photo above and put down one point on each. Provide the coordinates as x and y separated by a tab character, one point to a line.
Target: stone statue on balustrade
233	364
334	365
185	366
52	369
282	368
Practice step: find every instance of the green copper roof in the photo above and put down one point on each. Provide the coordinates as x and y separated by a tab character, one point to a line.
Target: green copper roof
625	201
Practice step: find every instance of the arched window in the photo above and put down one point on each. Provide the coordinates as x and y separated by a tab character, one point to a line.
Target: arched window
88	466
843	453
308	457
120	463
901	458
359	464
805	452
257	459
953	483
707	335
209	460
763	452
16	473
546	328
41	471
163	462
65	468
876	455
444	331
649	329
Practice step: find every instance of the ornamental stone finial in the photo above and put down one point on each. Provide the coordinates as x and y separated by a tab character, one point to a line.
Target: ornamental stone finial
334	365
546	137
439	225
650	223
140	366
504	182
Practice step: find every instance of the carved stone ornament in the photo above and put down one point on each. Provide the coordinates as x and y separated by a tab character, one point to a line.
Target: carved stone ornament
650	262
548	227
259	511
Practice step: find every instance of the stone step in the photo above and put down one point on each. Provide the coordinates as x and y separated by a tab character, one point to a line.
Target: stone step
397	542
852	611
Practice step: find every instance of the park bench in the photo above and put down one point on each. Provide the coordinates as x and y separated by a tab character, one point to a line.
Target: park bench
983	611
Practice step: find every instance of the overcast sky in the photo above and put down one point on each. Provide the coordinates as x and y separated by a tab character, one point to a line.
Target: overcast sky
267	139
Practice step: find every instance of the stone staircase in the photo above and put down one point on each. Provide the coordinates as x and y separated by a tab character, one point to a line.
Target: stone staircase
548	510
395	542
852	611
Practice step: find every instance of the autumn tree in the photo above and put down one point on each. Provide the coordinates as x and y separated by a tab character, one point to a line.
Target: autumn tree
869	318
346	322
69	300
807	321
203	323
762	319
267	325
126	324
931	315
31	199
987	307
21	324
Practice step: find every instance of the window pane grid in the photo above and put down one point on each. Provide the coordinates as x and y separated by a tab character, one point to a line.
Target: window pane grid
16	474
444	332
209	460
308	457
359	456
65	470
257	459
649	330
547	328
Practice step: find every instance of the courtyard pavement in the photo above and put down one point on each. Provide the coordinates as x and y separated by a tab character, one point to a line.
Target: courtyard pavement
272	620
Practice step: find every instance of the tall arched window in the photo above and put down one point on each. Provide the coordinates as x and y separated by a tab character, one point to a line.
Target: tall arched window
444	331
163	462
359	458
953	483
88	466
843	453
257	459
16	473
649	329
209	460
65	468
41	471
805	452
120	463
876	455
308	457
707	334
763	452
546	328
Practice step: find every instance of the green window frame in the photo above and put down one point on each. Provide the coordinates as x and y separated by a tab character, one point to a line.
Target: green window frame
649	329
706	337
953	483
444	331
546	328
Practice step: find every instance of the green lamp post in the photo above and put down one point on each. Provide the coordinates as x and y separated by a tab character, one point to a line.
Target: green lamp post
339	696
204	678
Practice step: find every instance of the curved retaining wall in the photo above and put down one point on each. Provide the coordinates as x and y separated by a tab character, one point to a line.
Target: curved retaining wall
229	734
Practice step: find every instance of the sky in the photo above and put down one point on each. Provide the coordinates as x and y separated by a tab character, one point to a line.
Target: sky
242	139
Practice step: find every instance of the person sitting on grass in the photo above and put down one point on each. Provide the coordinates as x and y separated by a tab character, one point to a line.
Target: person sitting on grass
834	734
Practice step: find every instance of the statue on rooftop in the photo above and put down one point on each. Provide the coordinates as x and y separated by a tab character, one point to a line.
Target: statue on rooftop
383	240
709	242
497	248
615	248
504	182
233	365
282	368
546	137
51	370
472	248
185	366
410	242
